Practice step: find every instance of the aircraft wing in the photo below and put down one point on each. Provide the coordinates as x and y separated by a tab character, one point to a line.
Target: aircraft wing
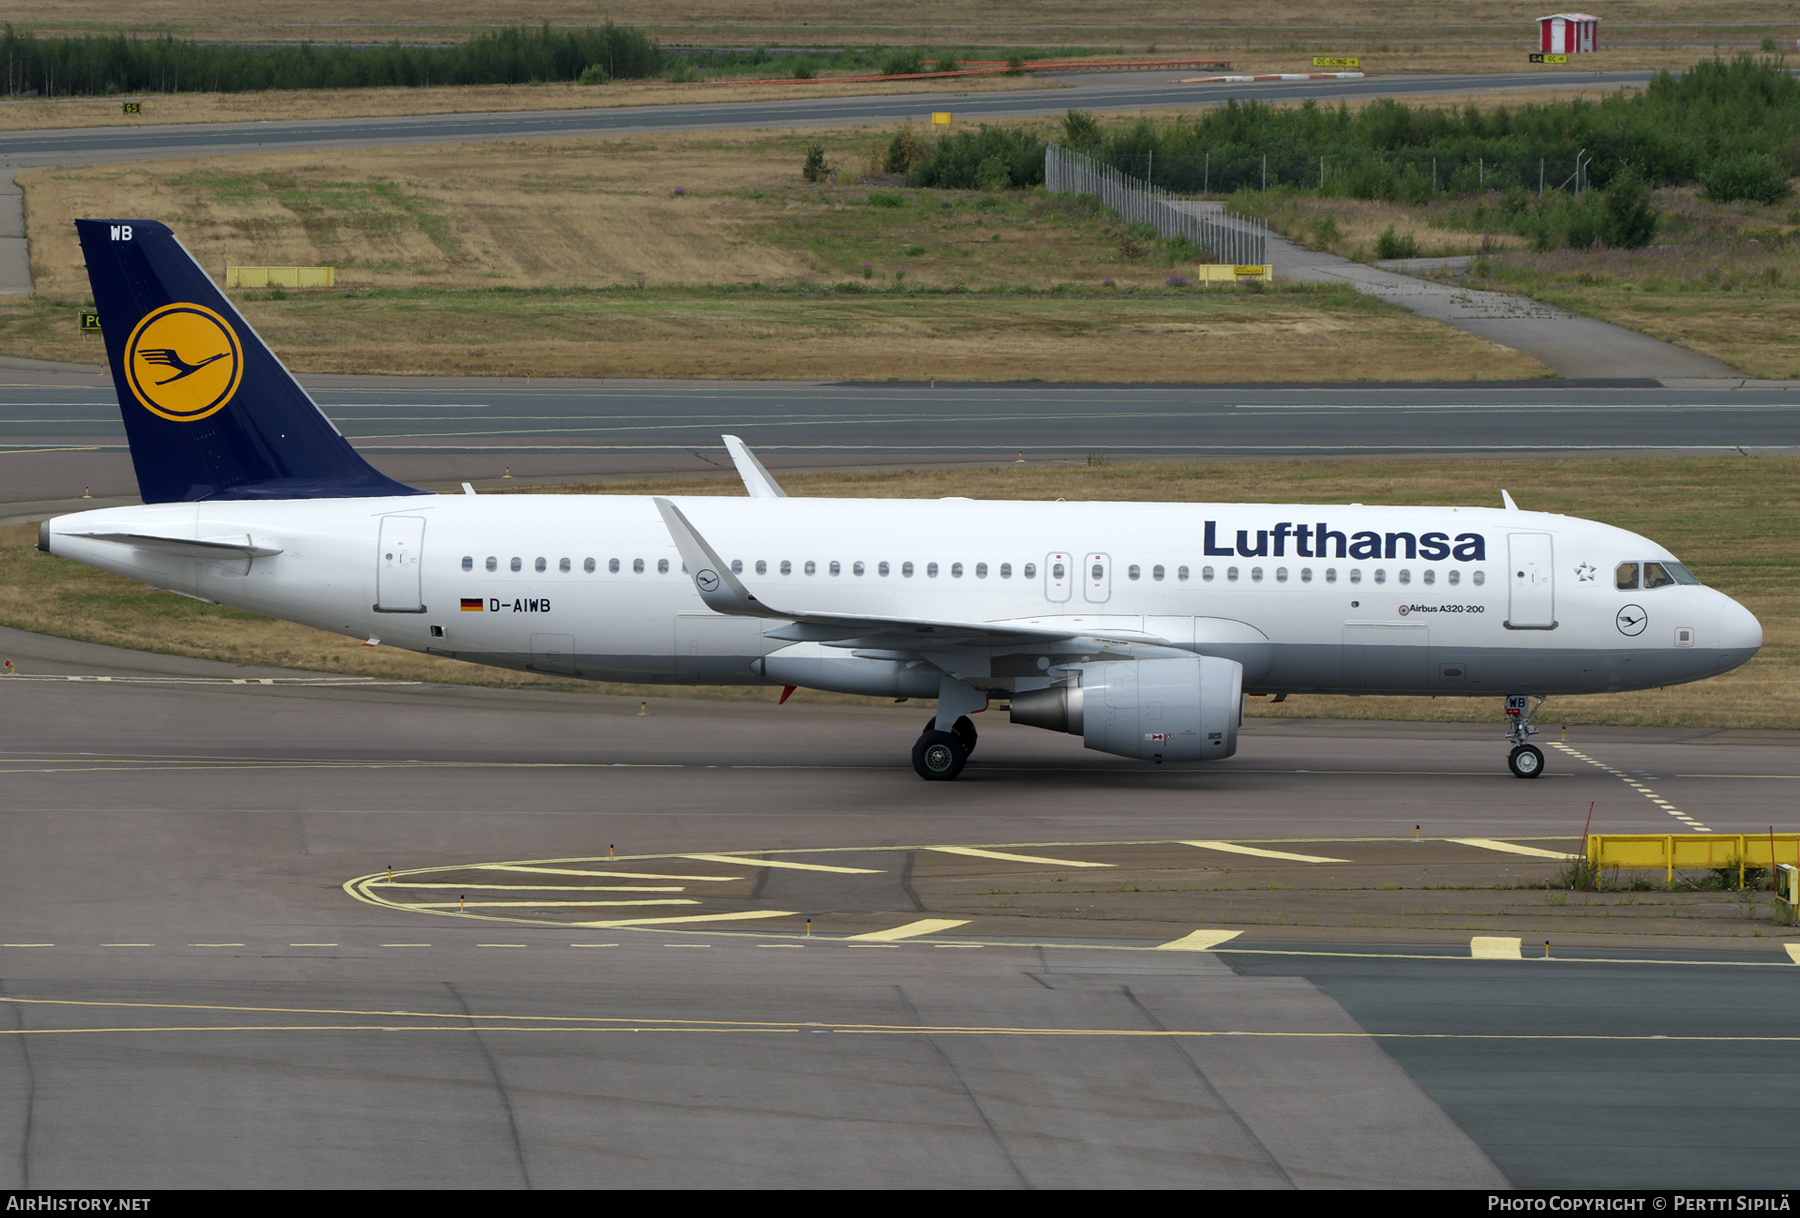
723	592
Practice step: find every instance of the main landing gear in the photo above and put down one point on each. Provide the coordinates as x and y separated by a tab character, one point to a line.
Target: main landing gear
940	756
1527	760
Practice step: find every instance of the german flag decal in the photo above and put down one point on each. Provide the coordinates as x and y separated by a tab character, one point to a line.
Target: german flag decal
471	604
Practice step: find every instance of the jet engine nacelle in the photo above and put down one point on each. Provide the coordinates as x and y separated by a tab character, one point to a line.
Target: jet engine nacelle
1185	709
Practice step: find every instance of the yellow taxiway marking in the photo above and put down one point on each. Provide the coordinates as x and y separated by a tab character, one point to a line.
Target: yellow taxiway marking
1198	941
1004	857
540	887
1258	852
610	875
912	930
1488	843
737	916
533	905
1793	951
1494	947
739	861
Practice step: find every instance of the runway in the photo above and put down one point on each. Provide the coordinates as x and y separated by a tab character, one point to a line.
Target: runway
58	438
189	996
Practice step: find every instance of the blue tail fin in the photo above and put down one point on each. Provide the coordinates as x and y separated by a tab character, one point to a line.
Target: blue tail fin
209	411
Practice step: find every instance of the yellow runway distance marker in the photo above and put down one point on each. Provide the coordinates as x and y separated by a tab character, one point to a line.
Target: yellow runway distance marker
1199	941
1258	852
1004	857
912	930
737	861
1495	947
1488	843
1793	951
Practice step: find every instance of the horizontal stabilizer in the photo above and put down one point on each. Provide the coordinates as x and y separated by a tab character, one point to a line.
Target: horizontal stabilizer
212	547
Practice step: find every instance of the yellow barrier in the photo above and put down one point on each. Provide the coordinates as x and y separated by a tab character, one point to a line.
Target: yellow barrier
280	276
1666	852
1224	272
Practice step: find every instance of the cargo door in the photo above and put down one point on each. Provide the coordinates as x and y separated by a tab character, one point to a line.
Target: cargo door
1532	592
397	568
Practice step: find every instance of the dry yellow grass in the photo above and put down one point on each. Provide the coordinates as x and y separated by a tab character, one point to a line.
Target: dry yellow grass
735	22
1731	518
566	216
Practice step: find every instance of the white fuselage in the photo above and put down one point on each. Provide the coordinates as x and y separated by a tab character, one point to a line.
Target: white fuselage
1352	599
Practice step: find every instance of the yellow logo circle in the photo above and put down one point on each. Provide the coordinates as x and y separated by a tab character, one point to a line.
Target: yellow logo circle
183	362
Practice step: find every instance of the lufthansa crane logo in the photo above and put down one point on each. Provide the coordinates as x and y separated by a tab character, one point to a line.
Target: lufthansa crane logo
707	580
183	362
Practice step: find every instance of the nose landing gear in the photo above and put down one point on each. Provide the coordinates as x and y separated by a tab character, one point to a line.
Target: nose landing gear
1526	760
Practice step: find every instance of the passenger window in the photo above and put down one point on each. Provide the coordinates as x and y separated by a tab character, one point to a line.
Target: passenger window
1056	571
563	566
1430	576
856	568
906	569
1380	575
787	568
1005	570
468	562
1099	572
662	566
1181	573
956	570
612	566
931	569
493	564
1131	572
1306	575
1231	573
637	566
539	565
1156	572
882	570
762	566
1455	577
1356	575
1655	576
1030	570
587	564
1626	576
980	570
1206	573
518	564
1256	574
1479	578
812	567
1331	575
1405	576
737	566
835	568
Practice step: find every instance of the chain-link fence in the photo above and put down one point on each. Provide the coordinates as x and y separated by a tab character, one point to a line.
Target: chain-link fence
1242	240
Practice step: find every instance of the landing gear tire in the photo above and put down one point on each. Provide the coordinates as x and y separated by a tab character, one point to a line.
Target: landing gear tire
1527	761
939	756
964	729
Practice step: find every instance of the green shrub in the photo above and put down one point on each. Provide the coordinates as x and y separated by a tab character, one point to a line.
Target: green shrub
1628	220
815	169
903	63
1392	245
1080	129
803	68
945	64
1745	176
1015	63
903	152
593	74
879	198
992	174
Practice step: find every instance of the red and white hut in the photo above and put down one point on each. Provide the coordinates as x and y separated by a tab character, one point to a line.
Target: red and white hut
1568	33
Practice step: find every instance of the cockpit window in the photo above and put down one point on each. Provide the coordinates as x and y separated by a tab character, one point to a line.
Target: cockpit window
1680	573
1626	576
1656	575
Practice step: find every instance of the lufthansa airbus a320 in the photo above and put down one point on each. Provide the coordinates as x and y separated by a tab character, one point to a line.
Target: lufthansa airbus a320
1139	627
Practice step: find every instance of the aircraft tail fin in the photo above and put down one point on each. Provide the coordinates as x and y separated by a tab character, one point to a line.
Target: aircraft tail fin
209	411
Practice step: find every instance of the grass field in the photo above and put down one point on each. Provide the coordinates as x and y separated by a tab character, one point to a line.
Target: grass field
1170	23
1730	519
703	255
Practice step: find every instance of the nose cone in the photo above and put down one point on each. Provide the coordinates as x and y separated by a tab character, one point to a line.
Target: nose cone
1740	636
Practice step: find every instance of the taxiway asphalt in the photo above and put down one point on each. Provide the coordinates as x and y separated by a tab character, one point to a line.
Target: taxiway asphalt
61	432
188	995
